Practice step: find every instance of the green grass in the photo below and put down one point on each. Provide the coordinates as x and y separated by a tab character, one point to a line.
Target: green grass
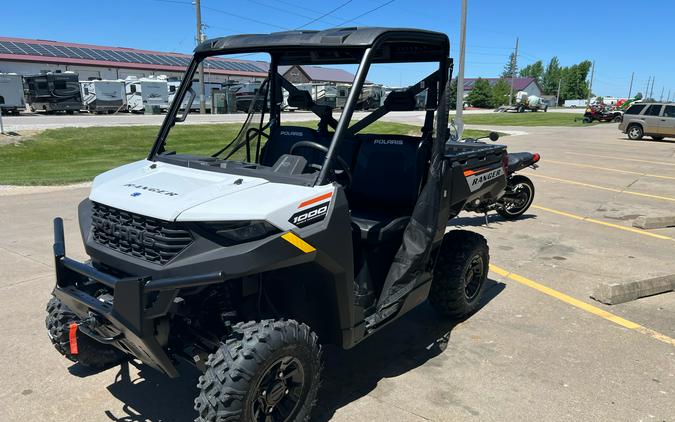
524	119
70	155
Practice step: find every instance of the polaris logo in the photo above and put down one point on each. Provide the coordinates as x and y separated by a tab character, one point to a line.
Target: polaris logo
310	215
124	233
477	181
388	142
290	133
149	189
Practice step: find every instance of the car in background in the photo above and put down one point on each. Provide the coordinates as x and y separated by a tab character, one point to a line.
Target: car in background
649	119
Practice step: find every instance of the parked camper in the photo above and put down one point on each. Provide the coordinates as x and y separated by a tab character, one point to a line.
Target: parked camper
146	92
50	92
245	95
372	96
322	93
103	96
575	103
11	93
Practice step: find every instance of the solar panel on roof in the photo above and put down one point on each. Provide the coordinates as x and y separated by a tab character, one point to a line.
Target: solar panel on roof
4	49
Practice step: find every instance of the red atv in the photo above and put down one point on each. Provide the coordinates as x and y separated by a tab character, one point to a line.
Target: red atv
601	113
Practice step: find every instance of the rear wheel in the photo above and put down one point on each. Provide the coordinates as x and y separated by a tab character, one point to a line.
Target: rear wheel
587	120
635	132
460	274
267	371
89	351
520	197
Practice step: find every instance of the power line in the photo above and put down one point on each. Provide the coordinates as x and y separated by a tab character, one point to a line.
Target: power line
366	13
326	14
213	9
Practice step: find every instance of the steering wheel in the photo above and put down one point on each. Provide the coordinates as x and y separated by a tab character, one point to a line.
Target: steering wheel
318	146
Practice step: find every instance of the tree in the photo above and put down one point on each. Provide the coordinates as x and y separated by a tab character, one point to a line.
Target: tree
551	77
452	95
511	68
481	94
500	92
575	85
534	70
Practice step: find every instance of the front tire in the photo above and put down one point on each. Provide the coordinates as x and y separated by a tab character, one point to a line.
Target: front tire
266	371
460	274
635	132
522	190
90	352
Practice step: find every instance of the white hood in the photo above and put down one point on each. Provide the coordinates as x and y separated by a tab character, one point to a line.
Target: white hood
163	190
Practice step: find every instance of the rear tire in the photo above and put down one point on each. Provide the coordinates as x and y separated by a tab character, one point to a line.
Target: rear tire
635	132
268	370
460	274
90	352
524	187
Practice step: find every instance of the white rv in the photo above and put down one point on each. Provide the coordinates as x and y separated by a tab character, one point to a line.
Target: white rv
146	92
101	96
11	93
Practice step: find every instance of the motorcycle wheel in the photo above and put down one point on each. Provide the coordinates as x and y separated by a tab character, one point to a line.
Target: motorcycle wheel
523	190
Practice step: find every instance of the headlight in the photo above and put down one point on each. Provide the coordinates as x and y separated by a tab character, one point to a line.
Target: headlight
235	232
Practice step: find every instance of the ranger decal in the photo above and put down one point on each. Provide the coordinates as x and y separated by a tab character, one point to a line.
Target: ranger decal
310	215
476	181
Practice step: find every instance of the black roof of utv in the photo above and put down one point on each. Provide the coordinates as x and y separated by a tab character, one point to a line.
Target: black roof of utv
336	45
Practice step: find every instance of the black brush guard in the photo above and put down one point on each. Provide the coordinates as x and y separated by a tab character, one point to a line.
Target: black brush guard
129	322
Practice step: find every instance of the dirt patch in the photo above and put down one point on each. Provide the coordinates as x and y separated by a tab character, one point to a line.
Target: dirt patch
13	138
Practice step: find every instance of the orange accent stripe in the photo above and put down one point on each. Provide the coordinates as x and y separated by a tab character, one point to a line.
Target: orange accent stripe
472	172
315	200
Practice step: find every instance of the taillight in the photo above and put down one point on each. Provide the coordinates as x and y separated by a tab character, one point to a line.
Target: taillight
535	157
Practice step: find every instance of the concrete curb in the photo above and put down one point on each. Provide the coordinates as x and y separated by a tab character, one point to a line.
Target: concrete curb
615	293
654	222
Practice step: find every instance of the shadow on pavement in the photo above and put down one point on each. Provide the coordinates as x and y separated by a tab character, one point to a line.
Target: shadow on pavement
348	375
398	348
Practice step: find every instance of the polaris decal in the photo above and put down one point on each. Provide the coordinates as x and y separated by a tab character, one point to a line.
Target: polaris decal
290	133
388	142
476	181
310	215
149	189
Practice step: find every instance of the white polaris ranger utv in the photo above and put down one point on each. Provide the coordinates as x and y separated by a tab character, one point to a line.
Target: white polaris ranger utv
244	255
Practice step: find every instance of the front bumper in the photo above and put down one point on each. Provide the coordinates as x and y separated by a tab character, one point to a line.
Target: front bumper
129	323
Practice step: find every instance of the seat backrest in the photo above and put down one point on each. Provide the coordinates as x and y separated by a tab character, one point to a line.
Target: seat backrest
282	138
388	172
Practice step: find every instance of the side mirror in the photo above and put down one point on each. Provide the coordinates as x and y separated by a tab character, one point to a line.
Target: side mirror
190	98
493	136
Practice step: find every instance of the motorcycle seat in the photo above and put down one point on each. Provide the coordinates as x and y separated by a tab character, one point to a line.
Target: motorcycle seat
520	160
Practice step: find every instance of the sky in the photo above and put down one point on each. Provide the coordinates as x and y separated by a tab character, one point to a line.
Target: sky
619	36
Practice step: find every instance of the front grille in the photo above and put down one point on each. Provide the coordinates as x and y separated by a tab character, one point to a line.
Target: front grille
143	237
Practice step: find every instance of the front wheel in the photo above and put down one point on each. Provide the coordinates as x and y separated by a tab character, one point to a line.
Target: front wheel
518	198
266	371
460	274
89	352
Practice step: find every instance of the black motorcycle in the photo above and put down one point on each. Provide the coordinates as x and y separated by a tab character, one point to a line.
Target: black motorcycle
519	192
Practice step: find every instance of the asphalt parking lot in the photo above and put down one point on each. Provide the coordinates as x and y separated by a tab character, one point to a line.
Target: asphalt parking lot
539	348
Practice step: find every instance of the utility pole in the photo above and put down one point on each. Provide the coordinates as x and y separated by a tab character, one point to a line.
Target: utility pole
661	97
513	71
459	104
557	95
651	92
668	100
590	86
200	72
647	90
630	88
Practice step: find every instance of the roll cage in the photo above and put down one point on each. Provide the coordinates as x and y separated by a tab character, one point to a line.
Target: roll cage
362	46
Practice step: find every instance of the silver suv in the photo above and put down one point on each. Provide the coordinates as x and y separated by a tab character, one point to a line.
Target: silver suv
652	119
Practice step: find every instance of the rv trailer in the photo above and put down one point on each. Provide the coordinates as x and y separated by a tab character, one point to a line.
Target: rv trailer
103	96
146	92
324	94
50	92
11	93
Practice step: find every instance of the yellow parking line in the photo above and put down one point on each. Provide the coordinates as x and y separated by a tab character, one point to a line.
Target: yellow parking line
582	305
603	223
663	163
610	169
588	185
